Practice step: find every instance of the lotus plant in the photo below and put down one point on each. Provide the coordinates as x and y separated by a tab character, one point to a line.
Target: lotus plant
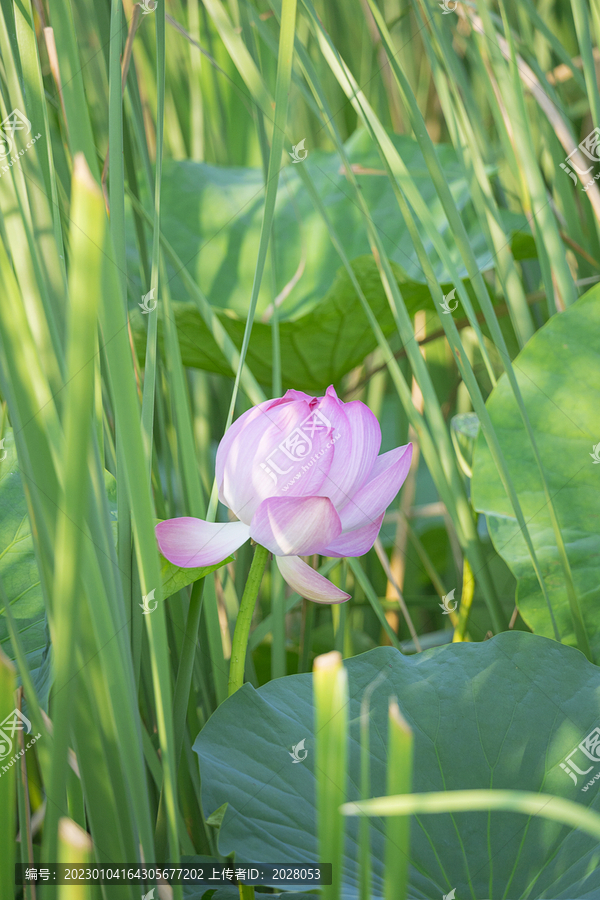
303	475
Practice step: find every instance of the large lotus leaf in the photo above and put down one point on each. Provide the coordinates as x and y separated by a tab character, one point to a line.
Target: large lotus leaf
498	714
212	217
318	348
559	376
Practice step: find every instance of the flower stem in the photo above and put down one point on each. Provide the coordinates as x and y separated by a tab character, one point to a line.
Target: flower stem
244	619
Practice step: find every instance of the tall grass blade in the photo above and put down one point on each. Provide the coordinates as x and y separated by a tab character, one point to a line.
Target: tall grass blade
7	783
330	686
399	780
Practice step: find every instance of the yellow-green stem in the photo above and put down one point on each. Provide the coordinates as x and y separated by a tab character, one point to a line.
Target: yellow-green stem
244	619
468	590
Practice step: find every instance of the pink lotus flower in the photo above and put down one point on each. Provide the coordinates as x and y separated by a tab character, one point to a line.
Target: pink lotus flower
302	474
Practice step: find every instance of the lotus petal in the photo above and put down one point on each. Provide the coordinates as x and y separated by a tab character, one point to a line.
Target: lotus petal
357	439
385	480
309	584
357	542
292	526
277	450
188	542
